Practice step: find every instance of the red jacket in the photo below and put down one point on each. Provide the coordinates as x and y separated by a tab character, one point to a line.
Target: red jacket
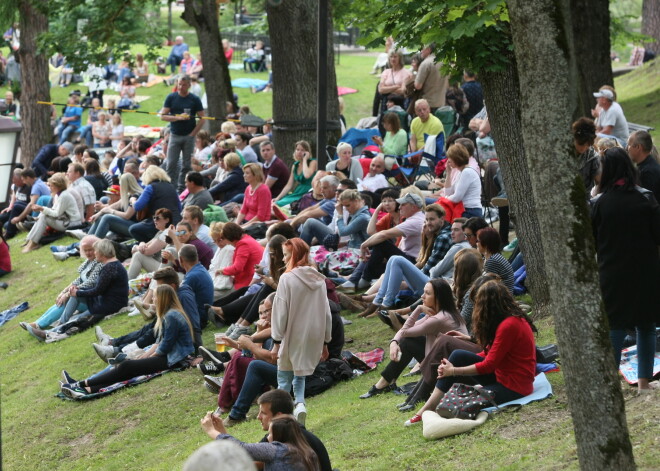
247	254
512	356
5	259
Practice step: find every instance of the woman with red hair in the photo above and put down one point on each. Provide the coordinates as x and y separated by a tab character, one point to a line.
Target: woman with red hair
301	322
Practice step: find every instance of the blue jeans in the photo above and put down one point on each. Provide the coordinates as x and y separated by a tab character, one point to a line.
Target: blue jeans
72	305
645	349
143	231
285	379
64	131
110	222
398	269
259	374
55	312
86	134
501	394
314	228
473	213
179	146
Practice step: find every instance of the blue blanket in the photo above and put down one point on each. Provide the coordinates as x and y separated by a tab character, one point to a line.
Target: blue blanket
247	82
9	314
542	390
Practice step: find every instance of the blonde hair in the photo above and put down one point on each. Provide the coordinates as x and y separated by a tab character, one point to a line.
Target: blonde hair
153	173
350	195
417	191
59	180
342	146
228	127
167	300
256	170
216	229
231	160
128	186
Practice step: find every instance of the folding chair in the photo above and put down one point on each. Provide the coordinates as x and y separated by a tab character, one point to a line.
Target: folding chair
447	116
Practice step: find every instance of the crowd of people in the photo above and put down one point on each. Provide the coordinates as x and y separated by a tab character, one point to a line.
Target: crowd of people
197	233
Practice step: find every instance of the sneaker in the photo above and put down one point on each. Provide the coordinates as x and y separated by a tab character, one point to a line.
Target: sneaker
229	421
374	391
60	256
77	233
238	331
230	330
105	352
512	246
134	312
414	420
210	368
146	313
213	383
347	286
67	379
59	248
300	413
103	338
209	356
74	392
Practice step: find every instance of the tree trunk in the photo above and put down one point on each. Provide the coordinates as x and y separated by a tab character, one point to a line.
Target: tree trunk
591	34
502	93
34	81
203	16
293	36
543	39
651	24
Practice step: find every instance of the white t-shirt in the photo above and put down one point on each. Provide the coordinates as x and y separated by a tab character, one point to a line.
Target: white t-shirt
373	183
411	243
466	189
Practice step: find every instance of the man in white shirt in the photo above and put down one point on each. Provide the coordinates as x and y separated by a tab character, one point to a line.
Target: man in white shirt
75	174
374	180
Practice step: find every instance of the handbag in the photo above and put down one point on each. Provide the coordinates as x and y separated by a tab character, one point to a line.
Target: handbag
463	401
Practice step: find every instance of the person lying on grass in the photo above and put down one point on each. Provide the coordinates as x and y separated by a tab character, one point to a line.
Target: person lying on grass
175	344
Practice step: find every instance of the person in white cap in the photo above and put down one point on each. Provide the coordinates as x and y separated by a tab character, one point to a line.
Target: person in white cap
610	119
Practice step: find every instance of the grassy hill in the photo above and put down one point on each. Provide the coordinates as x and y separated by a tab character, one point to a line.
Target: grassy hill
155	426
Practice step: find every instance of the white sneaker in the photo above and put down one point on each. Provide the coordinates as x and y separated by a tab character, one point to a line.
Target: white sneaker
134	313
300	413
60	256
346	285
238	331
230	330
102	337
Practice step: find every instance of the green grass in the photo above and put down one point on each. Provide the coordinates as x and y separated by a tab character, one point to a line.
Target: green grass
155	426
639	95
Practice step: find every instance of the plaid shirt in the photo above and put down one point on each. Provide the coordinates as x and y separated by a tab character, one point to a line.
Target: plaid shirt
440	247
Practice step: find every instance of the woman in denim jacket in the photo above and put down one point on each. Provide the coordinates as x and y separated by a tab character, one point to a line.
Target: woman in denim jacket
174	344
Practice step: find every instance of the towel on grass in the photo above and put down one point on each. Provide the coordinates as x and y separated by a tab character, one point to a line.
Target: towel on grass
115	387
628	366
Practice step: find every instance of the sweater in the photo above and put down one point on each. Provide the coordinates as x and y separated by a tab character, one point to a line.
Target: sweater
301	320
257	203
110	293
247	254
430	327
65	205
467	189
511	356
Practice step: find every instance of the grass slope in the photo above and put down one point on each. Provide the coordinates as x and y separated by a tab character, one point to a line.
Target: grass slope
639	95
155	426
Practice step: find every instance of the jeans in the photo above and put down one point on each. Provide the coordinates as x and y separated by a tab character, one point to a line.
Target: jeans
72	305
645	349
398	269
55	312
411	347
143	337
86	134
143	231
5	218
173	61
284	381
236	199
473	213
380	253
179	145
64	131
110	222
314	228
259	374
501	394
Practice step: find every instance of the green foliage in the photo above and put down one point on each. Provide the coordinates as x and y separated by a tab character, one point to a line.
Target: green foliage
102	30
467	35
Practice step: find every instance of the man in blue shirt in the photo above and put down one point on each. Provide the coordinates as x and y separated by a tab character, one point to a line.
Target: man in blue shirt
176	54
70	121
180	109
199	279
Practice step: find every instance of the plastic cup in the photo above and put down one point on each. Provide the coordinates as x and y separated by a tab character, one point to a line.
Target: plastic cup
220	343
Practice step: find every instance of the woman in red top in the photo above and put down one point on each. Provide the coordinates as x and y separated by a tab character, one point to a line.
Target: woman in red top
5	259
507	365
247	254
257	201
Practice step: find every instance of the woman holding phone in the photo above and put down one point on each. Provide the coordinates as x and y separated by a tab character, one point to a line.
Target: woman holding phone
302	172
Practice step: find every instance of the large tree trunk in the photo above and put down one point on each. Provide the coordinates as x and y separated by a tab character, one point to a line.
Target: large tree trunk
543	39
34	81
502	93
203	16
293	35
591	34
651	24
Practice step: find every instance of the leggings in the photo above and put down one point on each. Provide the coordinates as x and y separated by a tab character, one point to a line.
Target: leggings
246	307
127	370
411	347
501	394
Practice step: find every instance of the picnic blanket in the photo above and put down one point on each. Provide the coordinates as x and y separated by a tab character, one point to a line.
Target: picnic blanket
246	82
137	99
10	313
435	427
115	387
628	366
364	361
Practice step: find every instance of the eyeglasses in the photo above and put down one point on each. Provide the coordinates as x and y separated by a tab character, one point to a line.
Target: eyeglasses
157	218
181	232
469	236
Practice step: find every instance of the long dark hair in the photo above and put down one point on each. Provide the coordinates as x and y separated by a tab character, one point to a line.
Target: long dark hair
276	256
493	304
468	265
286	430
618	170
444	299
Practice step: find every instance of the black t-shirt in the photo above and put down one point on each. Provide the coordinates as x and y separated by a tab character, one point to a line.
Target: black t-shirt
316	445
23	194
177	104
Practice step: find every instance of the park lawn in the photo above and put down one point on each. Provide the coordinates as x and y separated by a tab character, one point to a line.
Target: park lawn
156	426
639	95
